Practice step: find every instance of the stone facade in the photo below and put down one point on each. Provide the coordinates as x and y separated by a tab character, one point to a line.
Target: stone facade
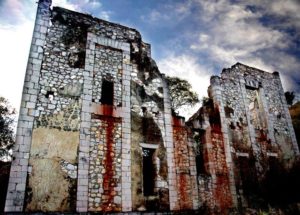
241	129
96	131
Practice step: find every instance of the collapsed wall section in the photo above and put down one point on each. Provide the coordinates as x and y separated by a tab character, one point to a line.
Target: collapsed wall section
213	167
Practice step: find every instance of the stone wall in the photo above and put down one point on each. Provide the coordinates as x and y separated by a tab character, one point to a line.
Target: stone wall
215	191
95	115
242	127
20	169
184	155
96	133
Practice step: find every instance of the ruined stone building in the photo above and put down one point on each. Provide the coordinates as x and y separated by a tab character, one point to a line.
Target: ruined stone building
241	131
96	133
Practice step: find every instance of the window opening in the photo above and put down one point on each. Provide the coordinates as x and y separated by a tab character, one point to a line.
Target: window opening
107	92
148	171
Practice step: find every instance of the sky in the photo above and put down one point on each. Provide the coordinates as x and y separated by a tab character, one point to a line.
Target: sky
191	39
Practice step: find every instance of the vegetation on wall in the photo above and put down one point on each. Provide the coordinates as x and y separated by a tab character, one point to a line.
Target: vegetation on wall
7	115
181	93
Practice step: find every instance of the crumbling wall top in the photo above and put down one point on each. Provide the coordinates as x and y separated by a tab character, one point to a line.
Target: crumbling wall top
95	24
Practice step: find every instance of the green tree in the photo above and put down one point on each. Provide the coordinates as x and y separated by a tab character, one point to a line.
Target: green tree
181	93
7	115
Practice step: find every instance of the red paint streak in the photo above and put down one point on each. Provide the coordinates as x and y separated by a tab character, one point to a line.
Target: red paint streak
108	176
222	191
108	165
178	121
107	110
181	161
184	197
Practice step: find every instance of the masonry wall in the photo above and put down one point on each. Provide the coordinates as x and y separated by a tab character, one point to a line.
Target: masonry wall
96	133
256	113
184	154
95	116
254	129
216	184
20	169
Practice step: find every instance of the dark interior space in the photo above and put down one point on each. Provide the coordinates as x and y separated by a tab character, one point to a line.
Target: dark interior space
4	177
148	172
107	95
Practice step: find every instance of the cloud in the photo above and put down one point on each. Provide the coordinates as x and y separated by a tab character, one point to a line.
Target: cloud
237	32
65	4
104	15
15	43
15	12
92	7
78	5
16	27
236	29
286	12
168	14
187	67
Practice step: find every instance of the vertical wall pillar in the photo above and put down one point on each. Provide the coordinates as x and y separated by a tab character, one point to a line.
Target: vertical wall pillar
216	92
85	125
126	131
286	113
168	141
19	168
193	171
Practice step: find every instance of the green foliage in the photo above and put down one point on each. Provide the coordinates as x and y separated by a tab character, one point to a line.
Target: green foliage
289	96
7	114
181	93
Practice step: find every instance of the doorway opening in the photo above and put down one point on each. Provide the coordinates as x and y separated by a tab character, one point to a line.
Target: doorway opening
148	171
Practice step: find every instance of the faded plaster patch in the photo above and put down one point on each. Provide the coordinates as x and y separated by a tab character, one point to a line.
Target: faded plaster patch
54	144
49	187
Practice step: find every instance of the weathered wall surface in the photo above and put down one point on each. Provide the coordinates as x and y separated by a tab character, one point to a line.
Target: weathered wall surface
212	167
150	189
94	132
254	127
185	166
56	127
53	170
105	164
20	169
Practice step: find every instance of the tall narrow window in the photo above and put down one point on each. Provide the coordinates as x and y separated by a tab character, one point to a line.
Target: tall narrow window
148	171
107	92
